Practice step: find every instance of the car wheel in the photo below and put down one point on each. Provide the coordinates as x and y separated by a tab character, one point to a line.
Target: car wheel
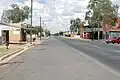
107	42
113	42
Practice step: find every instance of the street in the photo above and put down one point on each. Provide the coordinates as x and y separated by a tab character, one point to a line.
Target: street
55	59
108	54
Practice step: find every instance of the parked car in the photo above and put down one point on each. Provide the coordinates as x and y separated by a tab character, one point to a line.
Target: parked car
111	40
117	40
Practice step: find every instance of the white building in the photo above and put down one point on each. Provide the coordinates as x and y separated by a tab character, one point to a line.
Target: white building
4	28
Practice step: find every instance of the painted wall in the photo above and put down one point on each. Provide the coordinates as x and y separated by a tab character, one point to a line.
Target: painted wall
14	36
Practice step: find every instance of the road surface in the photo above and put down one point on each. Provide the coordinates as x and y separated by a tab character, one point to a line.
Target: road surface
108	54
55	59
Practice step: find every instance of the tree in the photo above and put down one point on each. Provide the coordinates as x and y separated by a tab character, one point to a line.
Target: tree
75	25
35	29
72	21
72	26
100	11
17	14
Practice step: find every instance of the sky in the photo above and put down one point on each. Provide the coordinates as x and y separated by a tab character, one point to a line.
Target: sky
56	14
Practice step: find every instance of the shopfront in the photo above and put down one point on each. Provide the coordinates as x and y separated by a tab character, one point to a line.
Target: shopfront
113	34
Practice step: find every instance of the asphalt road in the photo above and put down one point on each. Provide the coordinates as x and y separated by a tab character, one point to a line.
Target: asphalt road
108	54
55	59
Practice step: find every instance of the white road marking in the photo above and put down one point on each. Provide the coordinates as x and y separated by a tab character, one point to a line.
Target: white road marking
106	49
96	46
96	61
117	50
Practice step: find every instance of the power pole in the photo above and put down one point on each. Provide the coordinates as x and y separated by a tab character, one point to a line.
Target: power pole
31	22
43	28
40	29
98	31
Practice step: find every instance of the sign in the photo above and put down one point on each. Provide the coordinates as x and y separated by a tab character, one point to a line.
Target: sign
87	30
96	29
91	29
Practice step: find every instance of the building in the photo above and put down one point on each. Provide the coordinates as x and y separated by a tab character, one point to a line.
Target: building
106	31
112	31
3	29
87	32
17	35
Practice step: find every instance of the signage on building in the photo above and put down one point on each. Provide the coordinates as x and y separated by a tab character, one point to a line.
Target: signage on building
91	29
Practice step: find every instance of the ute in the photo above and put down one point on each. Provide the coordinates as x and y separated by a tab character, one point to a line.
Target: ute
111	40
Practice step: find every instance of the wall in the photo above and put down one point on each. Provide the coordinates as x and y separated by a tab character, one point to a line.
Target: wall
114	34
119	23
14	36
77	36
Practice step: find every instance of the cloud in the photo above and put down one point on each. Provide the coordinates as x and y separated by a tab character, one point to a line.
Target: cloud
58	13
55	13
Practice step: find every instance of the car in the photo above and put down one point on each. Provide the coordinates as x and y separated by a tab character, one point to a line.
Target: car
117	40
111	40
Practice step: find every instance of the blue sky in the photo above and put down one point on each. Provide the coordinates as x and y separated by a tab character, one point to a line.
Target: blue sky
43	1
21	1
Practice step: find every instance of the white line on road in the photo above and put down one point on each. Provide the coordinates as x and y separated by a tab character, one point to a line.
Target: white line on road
117	51
97	62
106	49
96	46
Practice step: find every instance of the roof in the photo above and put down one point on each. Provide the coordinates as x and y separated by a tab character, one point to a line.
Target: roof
117	30
11	25
17	25
7	27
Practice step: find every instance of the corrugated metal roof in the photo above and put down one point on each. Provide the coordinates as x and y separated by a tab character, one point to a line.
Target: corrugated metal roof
7	27
17	25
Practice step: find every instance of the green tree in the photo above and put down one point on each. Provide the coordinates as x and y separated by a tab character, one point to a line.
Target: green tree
100	11
72	21
75	25
72	26
17	14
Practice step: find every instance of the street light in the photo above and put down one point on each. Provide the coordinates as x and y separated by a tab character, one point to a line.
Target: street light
31	22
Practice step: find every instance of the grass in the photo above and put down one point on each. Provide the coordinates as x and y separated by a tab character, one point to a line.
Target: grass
4	51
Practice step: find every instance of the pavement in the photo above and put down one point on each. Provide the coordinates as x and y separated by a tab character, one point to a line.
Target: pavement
14	50
54	59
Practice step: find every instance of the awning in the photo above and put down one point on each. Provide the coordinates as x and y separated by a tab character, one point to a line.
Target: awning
5	27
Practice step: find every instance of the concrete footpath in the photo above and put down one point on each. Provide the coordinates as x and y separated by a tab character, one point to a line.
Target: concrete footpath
15	50
54	60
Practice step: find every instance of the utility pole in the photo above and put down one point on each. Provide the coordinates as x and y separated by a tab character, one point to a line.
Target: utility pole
98	31
31	22
43	28
40	29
